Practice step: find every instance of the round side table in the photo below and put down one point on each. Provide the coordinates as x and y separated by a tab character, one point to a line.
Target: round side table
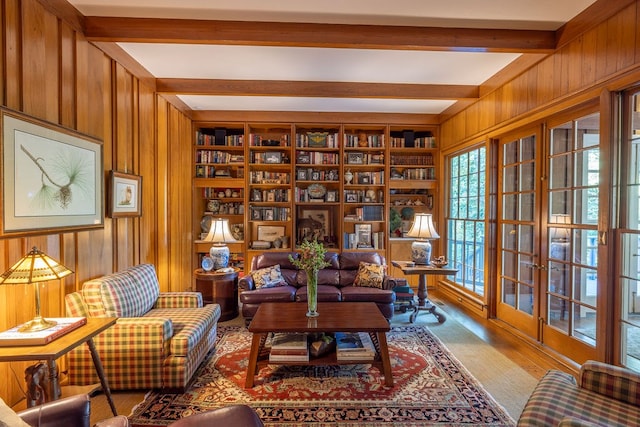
219	288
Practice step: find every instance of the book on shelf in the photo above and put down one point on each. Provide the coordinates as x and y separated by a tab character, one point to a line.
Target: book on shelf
64	325
288	357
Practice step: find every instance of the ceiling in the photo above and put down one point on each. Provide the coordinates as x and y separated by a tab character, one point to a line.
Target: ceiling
364	56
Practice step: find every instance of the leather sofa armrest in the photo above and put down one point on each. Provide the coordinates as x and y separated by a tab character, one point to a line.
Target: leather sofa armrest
119	421
246	283
612	381
69	411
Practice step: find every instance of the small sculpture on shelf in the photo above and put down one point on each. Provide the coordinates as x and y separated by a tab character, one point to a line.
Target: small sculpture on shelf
439	261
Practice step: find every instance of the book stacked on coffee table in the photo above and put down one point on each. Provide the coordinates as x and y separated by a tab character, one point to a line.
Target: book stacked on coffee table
354	346
289	347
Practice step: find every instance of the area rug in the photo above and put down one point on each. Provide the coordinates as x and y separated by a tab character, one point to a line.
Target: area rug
431	388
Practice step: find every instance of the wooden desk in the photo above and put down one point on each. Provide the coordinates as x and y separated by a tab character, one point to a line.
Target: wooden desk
57	348
423	271
219	288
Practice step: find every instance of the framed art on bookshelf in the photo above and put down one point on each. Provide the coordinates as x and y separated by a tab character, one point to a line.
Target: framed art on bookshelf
355	158
363	235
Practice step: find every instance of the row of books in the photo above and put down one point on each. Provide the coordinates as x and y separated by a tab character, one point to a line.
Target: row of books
294	347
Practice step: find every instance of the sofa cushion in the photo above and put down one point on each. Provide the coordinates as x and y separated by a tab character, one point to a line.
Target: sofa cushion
366	294
277	294
326	293
370	275
268	277
190	325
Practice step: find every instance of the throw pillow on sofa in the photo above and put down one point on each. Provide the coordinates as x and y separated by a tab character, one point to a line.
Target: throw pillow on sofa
370	275
268	277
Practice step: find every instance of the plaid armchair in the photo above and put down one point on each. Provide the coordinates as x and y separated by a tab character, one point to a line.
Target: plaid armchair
604	395
159	340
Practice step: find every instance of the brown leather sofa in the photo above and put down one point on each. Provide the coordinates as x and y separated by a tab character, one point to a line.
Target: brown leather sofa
229	416
335	282
70	411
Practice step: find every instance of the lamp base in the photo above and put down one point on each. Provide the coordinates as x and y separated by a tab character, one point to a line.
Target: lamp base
220	256
37	324
421	252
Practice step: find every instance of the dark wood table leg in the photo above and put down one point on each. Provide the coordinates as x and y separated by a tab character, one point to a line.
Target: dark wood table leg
103	379
257	342
54	381
384	356
423	302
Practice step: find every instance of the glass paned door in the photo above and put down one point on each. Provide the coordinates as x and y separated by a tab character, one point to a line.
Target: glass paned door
517	230
629	277
569	307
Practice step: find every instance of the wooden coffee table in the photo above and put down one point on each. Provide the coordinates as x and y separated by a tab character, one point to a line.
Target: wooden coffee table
334	317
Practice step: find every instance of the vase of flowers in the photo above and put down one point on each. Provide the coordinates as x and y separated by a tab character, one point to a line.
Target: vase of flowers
311	260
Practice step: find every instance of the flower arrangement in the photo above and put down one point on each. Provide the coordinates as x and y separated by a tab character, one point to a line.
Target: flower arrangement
311	257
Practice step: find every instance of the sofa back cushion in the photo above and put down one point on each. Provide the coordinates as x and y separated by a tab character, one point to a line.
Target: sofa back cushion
350	263
126	294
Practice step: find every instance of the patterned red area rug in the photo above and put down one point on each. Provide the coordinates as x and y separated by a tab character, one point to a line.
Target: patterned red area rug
431	388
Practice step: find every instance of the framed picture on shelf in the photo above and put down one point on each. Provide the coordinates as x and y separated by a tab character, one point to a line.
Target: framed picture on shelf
355	158
315	176
314	224
303	157
256	214
363	235
267	215
364	178
351	198
332	196
301	175
273	157
269	233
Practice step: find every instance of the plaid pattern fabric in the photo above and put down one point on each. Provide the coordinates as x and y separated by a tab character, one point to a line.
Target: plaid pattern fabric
557	397
612	381
162	348
179	300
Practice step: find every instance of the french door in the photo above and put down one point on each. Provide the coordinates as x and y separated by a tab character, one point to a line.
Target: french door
547	234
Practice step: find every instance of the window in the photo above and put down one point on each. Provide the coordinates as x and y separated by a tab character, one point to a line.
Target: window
466	217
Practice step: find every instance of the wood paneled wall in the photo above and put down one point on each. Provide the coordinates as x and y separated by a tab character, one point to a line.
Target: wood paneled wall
606	56
50	72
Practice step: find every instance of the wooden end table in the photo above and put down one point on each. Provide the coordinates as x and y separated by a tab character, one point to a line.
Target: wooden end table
219	288
61	346
423	271
334	317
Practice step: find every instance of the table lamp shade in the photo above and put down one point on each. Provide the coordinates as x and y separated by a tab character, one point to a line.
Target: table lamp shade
35	267
423	230
219	234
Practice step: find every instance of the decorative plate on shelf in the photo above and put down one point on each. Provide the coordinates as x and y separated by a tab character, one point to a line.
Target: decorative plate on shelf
213	205
317	191
205	223
207	263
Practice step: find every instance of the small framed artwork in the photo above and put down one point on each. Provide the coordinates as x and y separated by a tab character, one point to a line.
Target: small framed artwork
301	175
315	176
125	195
267	215
256	214
332	196
303	158
363	235
271	197
269	233
364	178
273	157
355	158
351	198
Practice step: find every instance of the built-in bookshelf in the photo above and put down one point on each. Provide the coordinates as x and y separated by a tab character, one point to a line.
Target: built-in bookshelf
353	187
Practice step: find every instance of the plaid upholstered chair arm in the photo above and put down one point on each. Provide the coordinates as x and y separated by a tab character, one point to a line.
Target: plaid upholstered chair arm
179	300
132	329
612	381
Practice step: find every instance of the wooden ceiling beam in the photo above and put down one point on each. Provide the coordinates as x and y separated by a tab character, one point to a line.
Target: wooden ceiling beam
315	89
148	30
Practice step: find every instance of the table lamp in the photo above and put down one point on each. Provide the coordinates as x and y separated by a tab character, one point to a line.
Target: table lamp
219	234
35	267
423	230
